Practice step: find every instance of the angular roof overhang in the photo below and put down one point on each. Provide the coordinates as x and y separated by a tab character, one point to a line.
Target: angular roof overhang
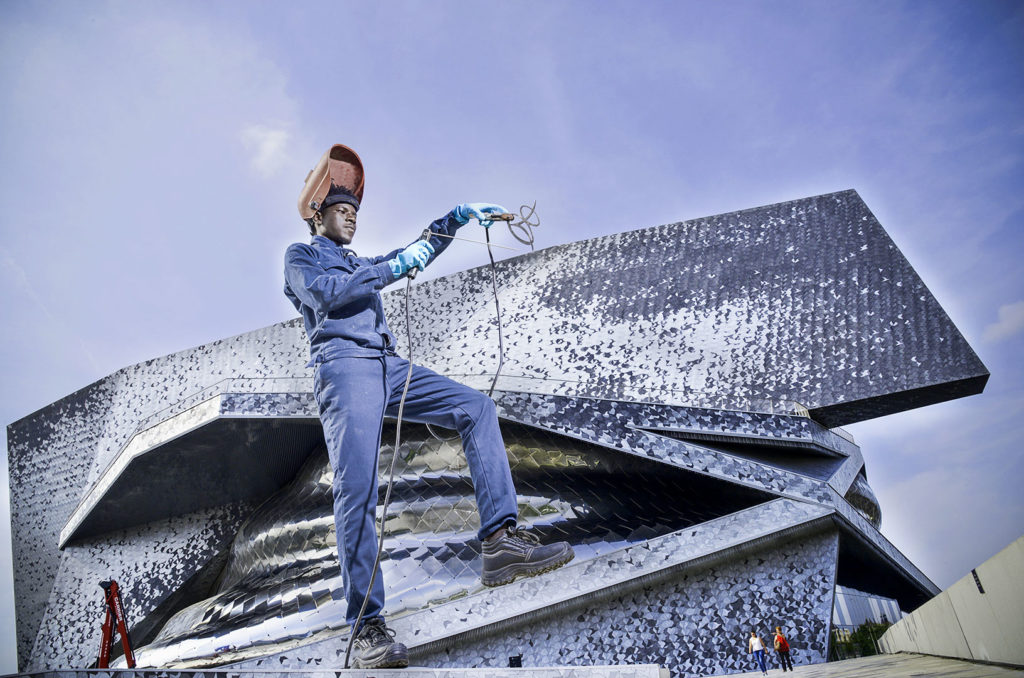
218	451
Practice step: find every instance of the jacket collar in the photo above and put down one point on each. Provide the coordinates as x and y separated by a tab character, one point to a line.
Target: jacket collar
327	243
321	241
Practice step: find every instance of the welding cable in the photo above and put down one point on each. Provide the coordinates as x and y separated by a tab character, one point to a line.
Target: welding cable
391	480
501	339
398	431
497	307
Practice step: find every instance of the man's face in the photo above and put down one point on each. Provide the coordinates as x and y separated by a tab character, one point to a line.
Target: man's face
338	223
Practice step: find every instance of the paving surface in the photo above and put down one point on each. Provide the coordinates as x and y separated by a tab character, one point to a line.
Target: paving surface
895	666
619	671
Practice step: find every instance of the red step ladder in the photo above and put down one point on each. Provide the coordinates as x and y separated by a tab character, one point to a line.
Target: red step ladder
115	614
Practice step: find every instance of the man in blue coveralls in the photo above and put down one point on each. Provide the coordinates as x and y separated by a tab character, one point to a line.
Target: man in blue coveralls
358	380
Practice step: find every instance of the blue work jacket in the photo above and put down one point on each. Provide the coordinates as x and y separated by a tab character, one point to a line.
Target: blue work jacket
338	294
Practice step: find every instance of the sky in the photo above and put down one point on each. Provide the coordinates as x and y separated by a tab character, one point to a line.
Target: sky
152	154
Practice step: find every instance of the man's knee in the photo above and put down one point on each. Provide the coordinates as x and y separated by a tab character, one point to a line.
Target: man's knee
484	406
474	407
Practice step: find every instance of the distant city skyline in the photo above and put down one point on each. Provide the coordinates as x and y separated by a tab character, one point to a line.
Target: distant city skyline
153	155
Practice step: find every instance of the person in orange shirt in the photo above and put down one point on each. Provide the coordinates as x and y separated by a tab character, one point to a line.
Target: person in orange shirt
782	648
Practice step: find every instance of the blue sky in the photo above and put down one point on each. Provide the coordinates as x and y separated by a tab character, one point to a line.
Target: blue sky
153	152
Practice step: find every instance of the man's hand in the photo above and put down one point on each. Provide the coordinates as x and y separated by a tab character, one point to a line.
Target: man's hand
415	255
477	210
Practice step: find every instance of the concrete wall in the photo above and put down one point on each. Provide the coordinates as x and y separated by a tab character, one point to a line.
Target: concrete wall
963	622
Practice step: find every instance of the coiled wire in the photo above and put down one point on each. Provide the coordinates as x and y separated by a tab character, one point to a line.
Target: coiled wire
398	431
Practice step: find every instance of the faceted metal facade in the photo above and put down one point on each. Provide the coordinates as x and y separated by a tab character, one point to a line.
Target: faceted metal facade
655	415
807	301
648	671
282	570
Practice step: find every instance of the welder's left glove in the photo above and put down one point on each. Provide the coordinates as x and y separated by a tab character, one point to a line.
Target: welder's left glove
477	210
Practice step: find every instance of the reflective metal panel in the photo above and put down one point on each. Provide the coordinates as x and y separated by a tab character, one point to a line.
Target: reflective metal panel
862	497
282	579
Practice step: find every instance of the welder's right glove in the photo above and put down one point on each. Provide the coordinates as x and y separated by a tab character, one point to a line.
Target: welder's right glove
415	255
477	210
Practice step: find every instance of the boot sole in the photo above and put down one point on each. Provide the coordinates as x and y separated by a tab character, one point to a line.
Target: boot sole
510	573
394	658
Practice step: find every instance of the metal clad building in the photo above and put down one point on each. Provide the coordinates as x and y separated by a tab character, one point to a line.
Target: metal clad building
668	401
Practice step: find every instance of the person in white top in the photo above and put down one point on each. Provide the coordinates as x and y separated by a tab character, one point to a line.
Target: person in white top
756	645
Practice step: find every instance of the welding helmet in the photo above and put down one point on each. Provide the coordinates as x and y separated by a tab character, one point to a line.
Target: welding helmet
337	177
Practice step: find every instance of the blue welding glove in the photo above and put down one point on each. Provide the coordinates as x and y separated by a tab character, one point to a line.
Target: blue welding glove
477	210
415	255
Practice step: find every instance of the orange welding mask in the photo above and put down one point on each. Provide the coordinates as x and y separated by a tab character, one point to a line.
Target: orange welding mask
337	177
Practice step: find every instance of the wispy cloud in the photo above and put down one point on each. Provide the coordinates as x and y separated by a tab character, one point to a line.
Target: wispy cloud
268	146
1010	322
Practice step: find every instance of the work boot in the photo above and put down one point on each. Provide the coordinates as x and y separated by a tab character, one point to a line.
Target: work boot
520	554
375	647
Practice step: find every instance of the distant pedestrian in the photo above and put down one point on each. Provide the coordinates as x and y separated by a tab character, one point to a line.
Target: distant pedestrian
782	647
756	645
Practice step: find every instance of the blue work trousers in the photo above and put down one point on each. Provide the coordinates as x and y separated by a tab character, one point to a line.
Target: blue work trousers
354	395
